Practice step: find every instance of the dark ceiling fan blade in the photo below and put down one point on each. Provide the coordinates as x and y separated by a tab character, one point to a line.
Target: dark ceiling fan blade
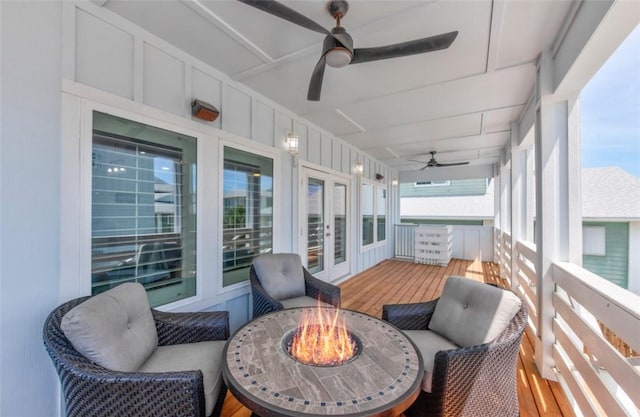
315	85
280	10
452	164
418	46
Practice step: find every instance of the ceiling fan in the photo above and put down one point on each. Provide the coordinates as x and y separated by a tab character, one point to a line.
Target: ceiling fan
338	50
432	163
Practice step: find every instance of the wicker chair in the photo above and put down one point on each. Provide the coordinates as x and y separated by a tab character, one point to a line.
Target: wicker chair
92	390
277	272
469	381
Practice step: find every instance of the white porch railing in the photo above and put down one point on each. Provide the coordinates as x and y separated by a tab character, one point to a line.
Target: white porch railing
601	381
524	277
597	378
404	240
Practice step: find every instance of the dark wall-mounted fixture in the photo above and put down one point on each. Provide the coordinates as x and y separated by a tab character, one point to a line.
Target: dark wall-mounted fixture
379	177
203	110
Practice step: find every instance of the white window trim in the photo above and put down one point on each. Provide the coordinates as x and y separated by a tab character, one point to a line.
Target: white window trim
232	141
376	243
78	104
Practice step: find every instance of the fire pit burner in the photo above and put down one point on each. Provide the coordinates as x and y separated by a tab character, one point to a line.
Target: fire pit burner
316	353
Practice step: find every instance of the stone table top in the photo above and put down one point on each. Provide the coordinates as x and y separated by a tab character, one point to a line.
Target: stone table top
385	375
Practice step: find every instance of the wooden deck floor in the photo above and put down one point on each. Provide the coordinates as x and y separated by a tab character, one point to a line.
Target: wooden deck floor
395	281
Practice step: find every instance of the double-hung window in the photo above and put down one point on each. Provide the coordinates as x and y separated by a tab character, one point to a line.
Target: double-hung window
143	209
373	213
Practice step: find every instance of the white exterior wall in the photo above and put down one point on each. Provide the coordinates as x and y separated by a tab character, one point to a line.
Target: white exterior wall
91	53
634	261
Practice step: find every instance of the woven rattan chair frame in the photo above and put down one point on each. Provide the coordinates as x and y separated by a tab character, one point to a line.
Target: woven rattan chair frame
91	390
263	303
470	381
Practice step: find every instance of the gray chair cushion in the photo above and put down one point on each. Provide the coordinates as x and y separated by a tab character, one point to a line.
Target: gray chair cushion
205	356
114	329
280	275
470	313
303	301
429	343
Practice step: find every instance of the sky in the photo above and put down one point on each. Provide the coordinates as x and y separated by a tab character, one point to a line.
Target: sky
610	111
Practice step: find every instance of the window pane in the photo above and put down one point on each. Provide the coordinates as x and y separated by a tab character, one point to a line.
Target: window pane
143	217
340	223
248	212
367	214
315	225
381	212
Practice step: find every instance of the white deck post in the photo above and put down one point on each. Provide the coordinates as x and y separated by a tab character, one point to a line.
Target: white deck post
505	209
558	211
497	215
518	198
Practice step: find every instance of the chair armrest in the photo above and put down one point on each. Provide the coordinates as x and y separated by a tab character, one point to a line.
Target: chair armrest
177	328
95	391
414	316
263	303
319	289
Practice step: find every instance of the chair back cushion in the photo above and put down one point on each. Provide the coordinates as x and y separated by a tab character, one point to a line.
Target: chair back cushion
114	329
471	313
281	275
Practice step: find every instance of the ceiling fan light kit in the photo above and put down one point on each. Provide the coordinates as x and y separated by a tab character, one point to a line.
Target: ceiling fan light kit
337	48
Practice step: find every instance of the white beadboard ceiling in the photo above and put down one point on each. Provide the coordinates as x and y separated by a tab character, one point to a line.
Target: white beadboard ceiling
459	102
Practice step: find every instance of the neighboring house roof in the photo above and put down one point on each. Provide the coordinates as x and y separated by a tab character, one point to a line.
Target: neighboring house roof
610	193
454	207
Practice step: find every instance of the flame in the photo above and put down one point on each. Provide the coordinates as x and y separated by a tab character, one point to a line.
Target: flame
322	338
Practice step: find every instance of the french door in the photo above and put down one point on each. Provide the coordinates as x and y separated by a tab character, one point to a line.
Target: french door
325	223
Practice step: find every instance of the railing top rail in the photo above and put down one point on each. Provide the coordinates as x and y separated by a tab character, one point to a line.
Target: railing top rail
527	248
616	307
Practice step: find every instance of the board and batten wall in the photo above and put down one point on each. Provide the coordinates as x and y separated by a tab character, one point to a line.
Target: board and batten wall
56	58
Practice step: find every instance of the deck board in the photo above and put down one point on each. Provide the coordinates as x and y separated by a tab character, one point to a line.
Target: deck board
396	281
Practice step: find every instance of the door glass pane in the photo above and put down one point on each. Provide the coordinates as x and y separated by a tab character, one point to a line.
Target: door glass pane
381	213
143	212
315	225
248	212
367	214
339	223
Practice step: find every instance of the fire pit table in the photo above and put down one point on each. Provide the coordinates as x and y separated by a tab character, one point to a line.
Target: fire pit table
383	378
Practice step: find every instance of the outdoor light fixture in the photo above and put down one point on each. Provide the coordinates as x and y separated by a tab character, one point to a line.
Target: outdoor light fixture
358	169
292	143
394	182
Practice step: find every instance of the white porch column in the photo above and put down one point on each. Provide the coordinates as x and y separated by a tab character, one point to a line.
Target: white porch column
558	211
518	198
505	212
496	216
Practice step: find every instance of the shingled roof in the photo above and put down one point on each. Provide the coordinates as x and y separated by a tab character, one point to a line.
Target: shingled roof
610	193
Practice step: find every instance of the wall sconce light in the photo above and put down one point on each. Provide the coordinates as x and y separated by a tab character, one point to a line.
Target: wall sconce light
394	182
203	110
292	143
358	168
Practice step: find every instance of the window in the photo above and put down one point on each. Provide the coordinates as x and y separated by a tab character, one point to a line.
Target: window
248	212
432	183
143	216
374	209
367	214
594	240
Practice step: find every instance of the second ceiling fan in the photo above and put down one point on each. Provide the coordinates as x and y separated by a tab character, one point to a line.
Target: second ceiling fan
432	163
337	48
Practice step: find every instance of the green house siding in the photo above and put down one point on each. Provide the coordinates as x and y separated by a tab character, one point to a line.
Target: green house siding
614	266
441	221
455	188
